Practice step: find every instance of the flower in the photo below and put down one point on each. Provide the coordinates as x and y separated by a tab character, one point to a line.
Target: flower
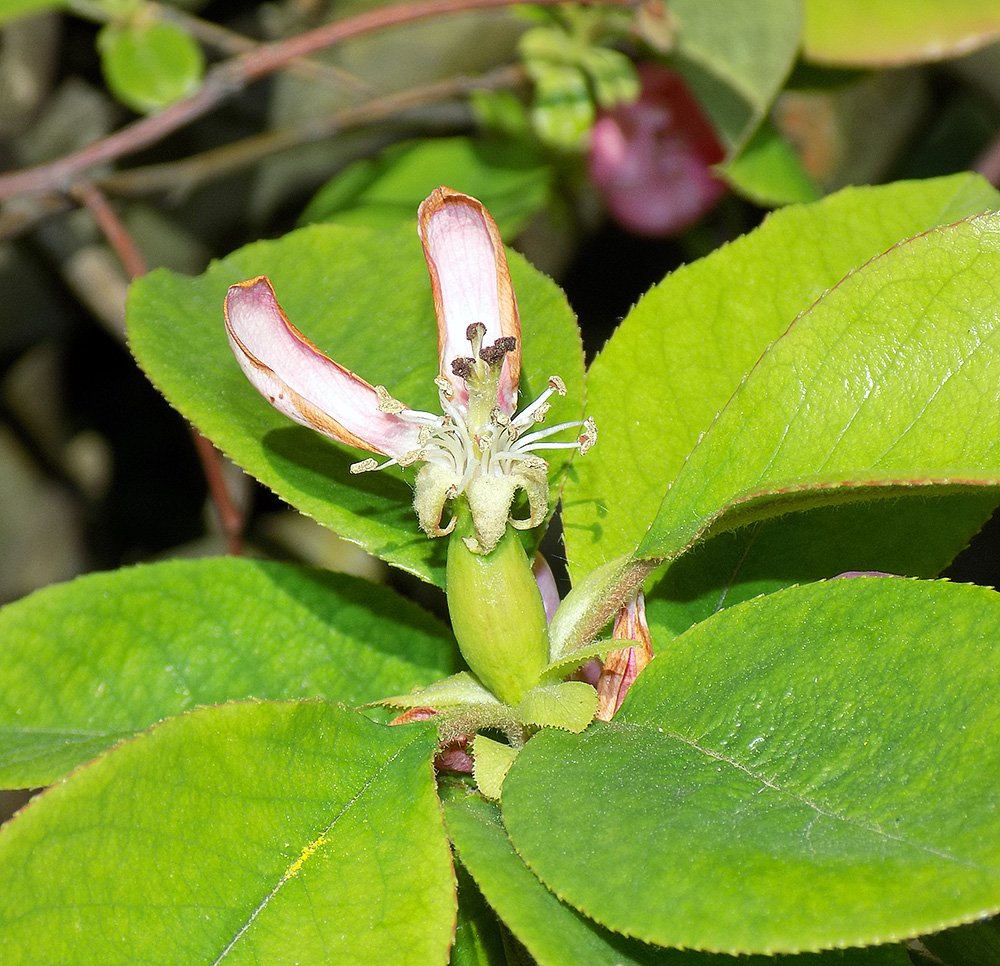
479	447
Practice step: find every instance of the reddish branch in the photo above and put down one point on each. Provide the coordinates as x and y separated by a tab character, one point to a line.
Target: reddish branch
227	79
230	518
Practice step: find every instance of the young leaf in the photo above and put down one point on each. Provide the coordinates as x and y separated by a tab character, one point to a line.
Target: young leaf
815	768
684	349
87	663
364	298
278	833
556	934
887	382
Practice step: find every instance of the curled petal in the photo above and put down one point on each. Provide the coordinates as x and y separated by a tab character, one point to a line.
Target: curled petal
471	283
531	476
304	384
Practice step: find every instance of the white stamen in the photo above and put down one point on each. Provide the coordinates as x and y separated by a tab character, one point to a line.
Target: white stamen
478	438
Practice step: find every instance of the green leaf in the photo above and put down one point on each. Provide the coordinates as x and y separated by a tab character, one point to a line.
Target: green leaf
684	349
511	178
891	33
811	769
769	172
451	692
149	64
556	934
11	10
917	536
278	833
562	111
478	941
736	56
612	74
87	663
363	297
887	381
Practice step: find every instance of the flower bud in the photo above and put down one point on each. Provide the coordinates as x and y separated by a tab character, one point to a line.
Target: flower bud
496	611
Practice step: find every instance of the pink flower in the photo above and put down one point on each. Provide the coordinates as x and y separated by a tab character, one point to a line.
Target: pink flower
651	160
478	448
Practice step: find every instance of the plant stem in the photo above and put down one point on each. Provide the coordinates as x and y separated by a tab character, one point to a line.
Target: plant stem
180	176
230	518
227	79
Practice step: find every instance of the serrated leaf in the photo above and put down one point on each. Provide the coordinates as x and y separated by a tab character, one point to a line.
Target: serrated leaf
891	33
363	297
811	769
511	178
279	833
736	56
570	705
492	762
558	935
698	332
87	663
885	382
149	64
695	336
454	691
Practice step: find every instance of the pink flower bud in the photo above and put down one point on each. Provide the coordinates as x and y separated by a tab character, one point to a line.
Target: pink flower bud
651	160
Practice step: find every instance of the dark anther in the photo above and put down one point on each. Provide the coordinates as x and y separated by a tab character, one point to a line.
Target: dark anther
492	354
462	366
477	328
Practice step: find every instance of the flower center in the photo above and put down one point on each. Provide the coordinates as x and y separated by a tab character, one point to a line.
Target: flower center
477	441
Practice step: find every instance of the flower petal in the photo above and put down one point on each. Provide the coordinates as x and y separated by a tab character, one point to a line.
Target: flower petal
471	283
304	384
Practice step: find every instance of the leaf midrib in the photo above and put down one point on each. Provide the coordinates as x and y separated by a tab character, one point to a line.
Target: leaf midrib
717	756
310	849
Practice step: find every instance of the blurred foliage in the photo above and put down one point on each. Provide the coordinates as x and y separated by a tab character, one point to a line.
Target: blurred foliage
95	470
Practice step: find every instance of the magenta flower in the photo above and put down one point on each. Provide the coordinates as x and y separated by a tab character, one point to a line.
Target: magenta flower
479	447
